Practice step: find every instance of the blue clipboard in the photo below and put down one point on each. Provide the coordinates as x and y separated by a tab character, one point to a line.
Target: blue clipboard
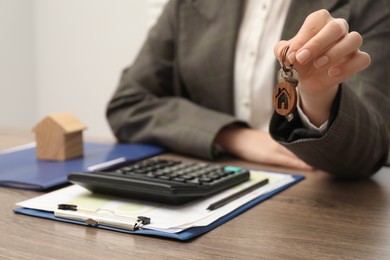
183	235
20	168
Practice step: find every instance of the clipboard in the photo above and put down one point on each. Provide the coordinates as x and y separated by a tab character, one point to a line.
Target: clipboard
181	236
20	168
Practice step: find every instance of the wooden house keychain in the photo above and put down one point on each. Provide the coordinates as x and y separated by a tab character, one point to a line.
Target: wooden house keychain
285	95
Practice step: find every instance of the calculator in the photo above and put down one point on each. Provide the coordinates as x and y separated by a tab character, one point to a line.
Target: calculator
162	180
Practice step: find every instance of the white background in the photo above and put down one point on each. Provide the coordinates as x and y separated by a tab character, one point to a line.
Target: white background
67	56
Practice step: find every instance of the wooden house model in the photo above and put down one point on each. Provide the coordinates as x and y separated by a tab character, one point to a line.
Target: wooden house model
59	137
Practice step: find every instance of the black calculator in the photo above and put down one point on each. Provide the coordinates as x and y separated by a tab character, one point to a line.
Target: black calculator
162	180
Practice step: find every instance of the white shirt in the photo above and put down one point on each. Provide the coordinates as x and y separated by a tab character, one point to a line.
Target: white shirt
254	69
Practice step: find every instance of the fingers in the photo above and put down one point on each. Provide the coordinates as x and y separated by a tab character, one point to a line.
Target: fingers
279	47
349	44
359	61
331	33
323	48
344	58
319	32
257	146
284	157
313	24
289	160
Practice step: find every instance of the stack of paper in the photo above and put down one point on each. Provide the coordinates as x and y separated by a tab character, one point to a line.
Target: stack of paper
164	218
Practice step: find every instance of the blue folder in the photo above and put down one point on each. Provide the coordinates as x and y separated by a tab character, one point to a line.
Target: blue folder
20	168
183	235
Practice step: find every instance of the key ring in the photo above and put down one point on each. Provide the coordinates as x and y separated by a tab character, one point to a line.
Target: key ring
285	94
287	70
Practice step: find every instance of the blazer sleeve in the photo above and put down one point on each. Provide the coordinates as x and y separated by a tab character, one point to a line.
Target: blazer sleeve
150	104
356	144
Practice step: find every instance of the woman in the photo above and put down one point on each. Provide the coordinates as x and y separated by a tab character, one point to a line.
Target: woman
195	89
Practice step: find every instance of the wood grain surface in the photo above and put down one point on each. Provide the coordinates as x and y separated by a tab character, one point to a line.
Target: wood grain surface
319	218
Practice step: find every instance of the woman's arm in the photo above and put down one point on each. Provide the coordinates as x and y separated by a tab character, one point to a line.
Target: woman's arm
335	86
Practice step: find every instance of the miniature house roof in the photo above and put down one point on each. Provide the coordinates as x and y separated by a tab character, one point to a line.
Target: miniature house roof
66	122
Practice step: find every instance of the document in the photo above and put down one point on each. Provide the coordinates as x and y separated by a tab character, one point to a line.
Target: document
163	217
21	169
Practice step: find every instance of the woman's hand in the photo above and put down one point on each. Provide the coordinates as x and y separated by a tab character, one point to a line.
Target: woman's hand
324	53
257	146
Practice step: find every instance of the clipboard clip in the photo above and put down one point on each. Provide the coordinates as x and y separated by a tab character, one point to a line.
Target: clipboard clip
104	217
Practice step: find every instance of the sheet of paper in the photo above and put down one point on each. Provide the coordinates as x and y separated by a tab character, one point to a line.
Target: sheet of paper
167	218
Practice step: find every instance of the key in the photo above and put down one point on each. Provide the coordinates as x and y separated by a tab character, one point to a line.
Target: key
285	94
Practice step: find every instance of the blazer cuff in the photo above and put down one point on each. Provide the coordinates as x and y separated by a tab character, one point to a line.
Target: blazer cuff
283	131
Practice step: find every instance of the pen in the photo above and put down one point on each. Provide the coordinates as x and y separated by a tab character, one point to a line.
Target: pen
234	196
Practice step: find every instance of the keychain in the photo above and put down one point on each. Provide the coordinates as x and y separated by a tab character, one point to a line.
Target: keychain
285	94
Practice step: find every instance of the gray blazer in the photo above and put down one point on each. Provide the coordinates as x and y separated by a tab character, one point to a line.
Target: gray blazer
179	91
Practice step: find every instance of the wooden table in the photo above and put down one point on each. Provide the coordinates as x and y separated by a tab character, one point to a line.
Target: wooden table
319	217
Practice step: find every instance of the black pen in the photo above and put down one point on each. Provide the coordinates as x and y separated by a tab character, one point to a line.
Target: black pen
237	195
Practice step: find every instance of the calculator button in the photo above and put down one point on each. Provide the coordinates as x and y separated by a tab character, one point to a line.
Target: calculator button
164	177
151	175
179	179
159	172
193	181
187	177
205	179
